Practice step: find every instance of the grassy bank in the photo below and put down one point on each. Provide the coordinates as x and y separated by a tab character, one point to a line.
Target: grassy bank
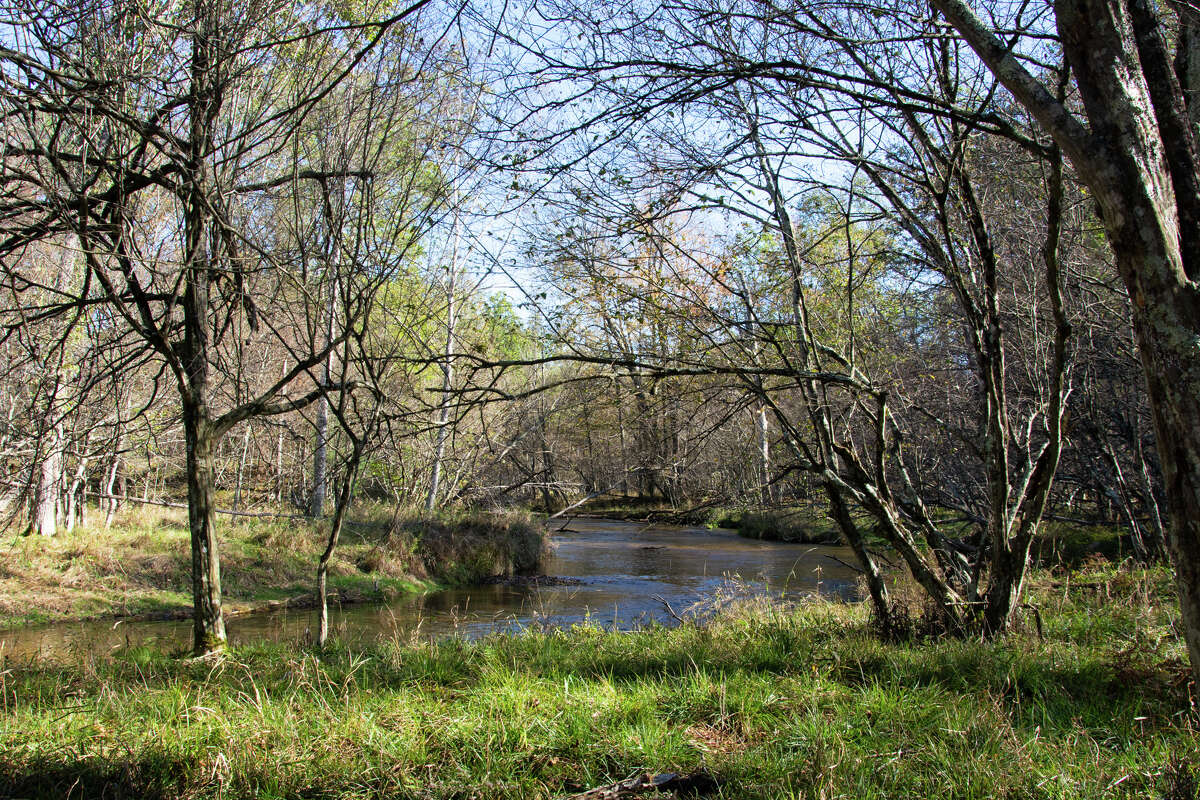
141	565
1057	542
805	524
771	703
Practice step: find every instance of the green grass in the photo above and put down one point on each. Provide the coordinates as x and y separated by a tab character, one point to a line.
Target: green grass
805	524
141	566
771	702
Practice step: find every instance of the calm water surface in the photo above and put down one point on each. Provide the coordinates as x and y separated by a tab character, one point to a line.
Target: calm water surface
615	574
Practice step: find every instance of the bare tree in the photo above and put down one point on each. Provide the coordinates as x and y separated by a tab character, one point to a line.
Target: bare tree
157	140
762	100
1134	145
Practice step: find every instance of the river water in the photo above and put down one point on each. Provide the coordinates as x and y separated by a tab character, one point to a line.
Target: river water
605	572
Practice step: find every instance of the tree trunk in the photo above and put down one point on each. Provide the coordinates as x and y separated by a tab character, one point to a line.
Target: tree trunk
76	495
621	438
1145	209
241	471
335	531
1138	156
443	421
208	621
1006	582
1168	327
1158	542
112	504
279	478
201	256
320	481
44	520
764	450
439	450
1122	496
870	570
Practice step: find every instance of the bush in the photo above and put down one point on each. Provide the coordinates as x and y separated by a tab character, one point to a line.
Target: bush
471	546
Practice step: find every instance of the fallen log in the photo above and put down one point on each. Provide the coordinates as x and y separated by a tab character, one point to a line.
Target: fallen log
696	784
630	787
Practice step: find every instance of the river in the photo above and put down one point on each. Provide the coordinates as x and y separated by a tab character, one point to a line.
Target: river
604	572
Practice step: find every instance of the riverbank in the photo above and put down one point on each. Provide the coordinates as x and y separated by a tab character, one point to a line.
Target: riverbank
141	566
793	524
767	702
1057	541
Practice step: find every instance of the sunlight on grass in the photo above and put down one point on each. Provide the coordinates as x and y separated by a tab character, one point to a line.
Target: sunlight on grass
773	703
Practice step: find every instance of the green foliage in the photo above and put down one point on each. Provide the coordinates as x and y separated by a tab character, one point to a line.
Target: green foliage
500	331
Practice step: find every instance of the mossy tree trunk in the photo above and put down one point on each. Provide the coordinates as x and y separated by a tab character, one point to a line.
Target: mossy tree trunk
208	625
1138	155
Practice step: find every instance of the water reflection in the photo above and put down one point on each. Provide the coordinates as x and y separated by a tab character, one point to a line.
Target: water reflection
615	574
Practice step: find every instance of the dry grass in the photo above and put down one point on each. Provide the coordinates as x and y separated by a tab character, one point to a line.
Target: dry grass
141	565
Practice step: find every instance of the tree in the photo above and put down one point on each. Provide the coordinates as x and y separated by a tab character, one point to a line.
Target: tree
1135	148
157	139
1132	142
756	110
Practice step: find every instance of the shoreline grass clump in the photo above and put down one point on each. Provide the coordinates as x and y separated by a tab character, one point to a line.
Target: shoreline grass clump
802	525
770	701
465	546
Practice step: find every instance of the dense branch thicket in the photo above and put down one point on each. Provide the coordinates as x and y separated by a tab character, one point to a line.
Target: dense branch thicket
871	262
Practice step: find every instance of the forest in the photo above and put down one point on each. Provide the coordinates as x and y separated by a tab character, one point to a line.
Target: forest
311	313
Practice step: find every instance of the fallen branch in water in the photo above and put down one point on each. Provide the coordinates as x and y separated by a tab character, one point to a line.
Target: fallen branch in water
667	606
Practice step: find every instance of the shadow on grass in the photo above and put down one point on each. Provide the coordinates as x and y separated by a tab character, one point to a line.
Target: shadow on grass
86	779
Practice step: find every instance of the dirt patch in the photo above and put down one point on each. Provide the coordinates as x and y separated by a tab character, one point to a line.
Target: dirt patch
715	739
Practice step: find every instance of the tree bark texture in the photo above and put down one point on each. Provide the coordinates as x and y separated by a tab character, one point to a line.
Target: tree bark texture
1147	196
335	532
320	482
49	484
443	418
200	254
1138	156
208	620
